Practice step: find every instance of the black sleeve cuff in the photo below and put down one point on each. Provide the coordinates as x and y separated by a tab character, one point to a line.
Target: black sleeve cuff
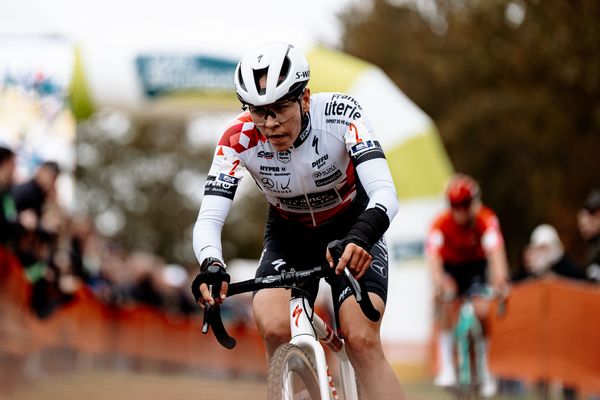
369	227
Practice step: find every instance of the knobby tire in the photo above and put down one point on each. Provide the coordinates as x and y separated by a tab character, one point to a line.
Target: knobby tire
289	358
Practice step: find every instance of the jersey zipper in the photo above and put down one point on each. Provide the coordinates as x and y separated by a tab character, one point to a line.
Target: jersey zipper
305	192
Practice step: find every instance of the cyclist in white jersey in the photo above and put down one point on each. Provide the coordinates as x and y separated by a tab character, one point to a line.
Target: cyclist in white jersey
325	177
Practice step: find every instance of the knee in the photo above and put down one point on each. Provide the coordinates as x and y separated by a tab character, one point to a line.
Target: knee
363	343
274	331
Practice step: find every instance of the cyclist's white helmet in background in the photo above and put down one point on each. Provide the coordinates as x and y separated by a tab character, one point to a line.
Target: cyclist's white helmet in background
287	72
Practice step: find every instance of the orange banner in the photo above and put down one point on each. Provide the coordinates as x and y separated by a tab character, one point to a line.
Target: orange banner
550	332
90	326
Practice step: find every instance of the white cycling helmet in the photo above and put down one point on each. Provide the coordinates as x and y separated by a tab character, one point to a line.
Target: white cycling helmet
287	72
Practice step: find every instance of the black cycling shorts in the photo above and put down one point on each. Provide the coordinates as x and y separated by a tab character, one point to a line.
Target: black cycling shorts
467	274
290	245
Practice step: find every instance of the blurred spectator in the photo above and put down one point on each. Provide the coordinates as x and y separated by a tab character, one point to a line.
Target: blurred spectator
588	221
545	256
37	239
8	211
32	195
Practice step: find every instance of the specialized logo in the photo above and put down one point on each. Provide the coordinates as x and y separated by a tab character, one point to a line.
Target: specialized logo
315	144
296	314
284	156
259	58
278	264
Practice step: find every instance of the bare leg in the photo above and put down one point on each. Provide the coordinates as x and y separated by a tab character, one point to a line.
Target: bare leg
271	309
377	379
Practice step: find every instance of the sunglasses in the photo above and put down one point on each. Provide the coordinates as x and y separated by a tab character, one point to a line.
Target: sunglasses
461	205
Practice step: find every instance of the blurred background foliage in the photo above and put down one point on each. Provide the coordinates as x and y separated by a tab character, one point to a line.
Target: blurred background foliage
512	85
142	178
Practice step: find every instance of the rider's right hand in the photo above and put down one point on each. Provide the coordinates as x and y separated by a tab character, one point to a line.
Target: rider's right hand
212	272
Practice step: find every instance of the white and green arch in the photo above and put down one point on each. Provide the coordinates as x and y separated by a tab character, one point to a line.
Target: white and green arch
415	153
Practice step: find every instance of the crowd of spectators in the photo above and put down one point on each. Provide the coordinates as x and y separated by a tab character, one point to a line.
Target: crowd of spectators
60	252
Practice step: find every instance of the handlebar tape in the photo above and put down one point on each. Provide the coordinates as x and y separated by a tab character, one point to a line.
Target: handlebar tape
213	315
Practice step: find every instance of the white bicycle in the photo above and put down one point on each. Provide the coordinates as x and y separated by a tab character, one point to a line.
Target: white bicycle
299	368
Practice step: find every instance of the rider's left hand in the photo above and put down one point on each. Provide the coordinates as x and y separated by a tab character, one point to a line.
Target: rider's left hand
355	258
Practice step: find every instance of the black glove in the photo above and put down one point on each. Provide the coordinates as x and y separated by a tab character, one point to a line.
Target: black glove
212	272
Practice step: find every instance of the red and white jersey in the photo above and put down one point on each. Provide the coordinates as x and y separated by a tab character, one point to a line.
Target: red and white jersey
334	162
457	244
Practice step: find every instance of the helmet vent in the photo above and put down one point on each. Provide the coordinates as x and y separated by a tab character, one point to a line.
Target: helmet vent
240	79
285	70
259	73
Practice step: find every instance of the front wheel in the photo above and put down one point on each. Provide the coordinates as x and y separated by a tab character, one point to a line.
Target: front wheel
292	375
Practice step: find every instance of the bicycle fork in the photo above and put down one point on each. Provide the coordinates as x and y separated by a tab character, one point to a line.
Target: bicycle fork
468	324
307	334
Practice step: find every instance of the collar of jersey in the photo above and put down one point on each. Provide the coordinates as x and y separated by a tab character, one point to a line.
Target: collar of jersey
303	135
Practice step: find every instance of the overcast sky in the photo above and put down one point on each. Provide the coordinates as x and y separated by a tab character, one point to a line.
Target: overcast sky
111	33
224	25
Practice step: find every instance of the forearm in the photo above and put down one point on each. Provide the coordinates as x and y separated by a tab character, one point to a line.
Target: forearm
208	227
498	266
436	268
383	204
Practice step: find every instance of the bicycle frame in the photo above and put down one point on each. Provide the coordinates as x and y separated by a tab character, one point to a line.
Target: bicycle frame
468	329
309	335
308	330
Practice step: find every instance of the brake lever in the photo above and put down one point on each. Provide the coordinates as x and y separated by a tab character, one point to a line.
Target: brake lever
358	287
212	318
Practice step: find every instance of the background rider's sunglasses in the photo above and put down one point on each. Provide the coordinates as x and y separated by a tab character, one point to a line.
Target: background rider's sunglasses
461	205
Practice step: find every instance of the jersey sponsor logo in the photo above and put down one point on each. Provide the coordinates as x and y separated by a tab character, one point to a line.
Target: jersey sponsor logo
268	168
224	185
337	121
325	171
276	186
303	135
380	259
315	144
343	105
365	151
310	201
267	155
361	147
227	179
284	156
345	293
320	162
329	179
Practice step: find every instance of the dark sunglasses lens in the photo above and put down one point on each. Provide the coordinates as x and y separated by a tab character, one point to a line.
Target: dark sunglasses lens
461	205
